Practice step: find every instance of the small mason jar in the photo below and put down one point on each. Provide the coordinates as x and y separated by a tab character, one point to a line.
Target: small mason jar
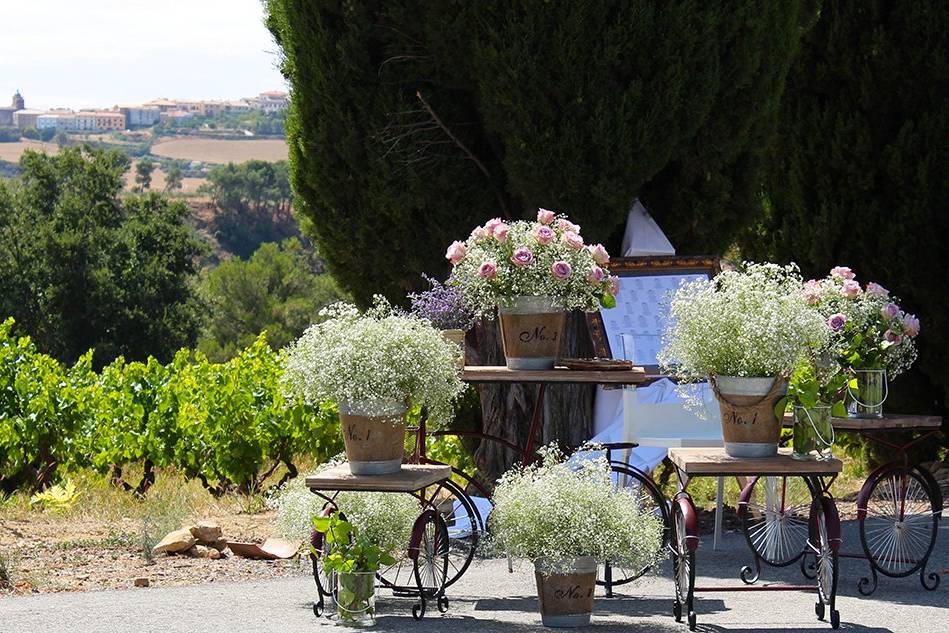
355	597
813	433
866	401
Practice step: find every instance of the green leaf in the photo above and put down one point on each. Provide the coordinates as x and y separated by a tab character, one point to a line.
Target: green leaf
608	301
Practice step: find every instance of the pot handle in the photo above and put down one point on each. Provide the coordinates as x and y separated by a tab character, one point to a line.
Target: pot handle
833	435
886	392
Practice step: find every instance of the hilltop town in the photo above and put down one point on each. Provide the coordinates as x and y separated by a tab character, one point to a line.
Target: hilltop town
130	117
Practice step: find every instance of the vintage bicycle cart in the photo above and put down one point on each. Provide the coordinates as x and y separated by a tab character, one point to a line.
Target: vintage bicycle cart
898	510
822	525
458	508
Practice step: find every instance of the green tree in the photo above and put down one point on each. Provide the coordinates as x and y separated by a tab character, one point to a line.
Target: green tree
143	174
61	139
82	268
858	175
173	179
278	290
253	204
411	122
31	133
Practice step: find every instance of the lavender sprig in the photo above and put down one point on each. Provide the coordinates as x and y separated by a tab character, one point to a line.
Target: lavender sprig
444	306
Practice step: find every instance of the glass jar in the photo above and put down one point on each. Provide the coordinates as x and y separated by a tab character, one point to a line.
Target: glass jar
355	596
867	398
813	433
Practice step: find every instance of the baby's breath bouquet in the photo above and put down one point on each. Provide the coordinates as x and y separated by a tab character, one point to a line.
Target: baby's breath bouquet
556	512
542	258
375	359
751	322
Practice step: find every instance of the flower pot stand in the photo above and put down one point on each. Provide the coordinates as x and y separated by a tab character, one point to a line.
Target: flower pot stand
823	524
898	508
428	550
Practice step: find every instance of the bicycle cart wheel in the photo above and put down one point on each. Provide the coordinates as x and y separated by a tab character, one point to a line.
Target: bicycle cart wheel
428	551
464	527
774	518
899	518
683	543
650	501
823	542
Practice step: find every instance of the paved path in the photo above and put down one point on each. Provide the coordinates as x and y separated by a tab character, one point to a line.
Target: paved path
489	599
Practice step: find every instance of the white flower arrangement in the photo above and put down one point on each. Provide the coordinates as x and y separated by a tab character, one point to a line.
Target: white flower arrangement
545	258
374	359
556	512
385	518
753	323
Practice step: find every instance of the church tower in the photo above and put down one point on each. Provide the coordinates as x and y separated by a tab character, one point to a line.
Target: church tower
18	103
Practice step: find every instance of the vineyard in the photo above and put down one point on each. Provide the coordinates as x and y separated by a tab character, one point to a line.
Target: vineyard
225	424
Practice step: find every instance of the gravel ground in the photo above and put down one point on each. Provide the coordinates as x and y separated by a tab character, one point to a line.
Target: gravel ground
490	599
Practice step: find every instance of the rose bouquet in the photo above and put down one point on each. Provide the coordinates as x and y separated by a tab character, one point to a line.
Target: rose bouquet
870	330
533	272
545	258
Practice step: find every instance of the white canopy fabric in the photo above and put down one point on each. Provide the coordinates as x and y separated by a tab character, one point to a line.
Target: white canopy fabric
643	236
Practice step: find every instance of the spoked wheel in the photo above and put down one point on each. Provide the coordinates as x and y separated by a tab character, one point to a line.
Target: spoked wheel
898	513
774	518
649	500
684	540
465	528
823	543
428	551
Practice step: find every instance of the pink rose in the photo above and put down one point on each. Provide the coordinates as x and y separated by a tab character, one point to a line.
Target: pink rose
842	272
545	217
572	240
479	233
487	270
837	321
889	311
600	256
500	232
544	235
850	289
812	292
456	252
561	270
614	286
522	257
911	325
874	288
567	225
893	337
595	275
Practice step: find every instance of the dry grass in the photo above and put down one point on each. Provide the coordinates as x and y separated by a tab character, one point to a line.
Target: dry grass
189	186
11	152
221	151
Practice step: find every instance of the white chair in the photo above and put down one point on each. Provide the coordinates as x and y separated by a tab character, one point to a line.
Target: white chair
667	423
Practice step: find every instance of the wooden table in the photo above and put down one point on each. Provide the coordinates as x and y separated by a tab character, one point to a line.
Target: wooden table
824	524
480	374
428	545
889	422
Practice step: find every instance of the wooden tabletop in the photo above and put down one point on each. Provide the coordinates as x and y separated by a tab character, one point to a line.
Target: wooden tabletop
412	477
889	422
714	461
488	373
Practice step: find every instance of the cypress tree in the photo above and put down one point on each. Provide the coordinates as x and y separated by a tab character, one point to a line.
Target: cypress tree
858	173
412	122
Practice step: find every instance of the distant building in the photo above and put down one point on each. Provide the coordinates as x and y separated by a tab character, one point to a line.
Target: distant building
26	118
163	105
85	121
6	114
272	101
140	115
176	115
109	120
57	121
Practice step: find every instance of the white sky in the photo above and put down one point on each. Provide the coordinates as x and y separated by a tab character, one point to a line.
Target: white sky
98	53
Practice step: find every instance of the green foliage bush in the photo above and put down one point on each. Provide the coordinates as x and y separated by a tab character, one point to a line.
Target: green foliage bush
228	425
411	123
858	172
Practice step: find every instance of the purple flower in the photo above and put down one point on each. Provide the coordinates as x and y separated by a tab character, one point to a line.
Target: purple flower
911	325
837	321
544	234
812	292
874	288
522	257
889	311
893	337
443	305
595	275
561	269
850	289
487	270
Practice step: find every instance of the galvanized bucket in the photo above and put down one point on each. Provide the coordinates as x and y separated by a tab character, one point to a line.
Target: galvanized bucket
373	442
531	330
566	599
749	426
